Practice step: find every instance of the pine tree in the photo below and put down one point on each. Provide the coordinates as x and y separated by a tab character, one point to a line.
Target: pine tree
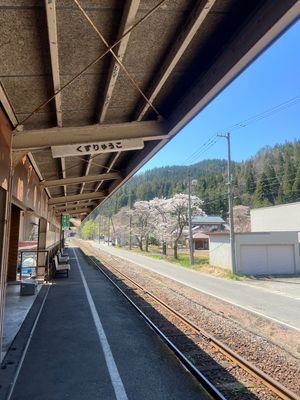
296	185
273	182
262	194
249	179
288	181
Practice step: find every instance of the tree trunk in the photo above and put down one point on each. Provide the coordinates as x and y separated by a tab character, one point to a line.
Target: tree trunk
164	248
147	244
140	242
175	250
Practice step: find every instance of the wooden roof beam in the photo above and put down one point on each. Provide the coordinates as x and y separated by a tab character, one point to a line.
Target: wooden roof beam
128	18
81	179
76	197
44	138
53	45
129	14
69	206
193	24
52	35
7	106
79	213
75	211
116	156
87	170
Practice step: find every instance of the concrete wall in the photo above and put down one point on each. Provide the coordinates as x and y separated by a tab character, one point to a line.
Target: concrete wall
285	217
219	251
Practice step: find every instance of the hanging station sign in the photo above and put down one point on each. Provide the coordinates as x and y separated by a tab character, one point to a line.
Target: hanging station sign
65	221
97	147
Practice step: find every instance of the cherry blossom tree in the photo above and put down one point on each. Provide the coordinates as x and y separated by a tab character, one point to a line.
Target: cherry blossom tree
161	221
177	209
241	216
142	220
122	226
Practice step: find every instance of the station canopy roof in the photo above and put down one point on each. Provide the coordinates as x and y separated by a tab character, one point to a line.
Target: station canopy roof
94	88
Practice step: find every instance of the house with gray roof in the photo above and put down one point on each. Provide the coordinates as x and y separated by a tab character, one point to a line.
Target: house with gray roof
204	224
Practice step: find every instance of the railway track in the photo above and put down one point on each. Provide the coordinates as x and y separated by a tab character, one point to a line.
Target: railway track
274	386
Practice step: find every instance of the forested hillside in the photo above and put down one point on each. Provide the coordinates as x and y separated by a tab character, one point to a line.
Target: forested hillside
271	177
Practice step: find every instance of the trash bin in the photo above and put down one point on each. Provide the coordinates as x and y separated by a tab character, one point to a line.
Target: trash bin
28	287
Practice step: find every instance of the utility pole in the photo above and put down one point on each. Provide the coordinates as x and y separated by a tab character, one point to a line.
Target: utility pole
108	233
130	233
130	222
113	226
190	222
230	203
99	226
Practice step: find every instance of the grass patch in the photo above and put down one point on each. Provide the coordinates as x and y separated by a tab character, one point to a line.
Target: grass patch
201	262
235	277
184	261
183	258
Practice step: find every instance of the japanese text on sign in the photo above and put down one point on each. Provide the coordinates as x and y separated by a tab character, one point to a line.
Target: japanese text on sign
97	147
65	221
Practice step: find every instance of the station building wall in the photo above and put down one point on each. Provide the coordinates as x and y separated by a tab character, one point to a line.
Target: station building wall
20	191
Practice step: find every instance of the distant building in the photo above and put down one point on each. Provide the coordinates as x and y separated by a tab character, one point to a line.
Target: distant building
284	217
202	226
271	248
208	223
200	241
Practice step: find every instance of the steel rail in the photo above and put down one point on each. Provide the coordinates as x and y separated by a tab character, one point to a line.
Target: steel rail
206	384
275	386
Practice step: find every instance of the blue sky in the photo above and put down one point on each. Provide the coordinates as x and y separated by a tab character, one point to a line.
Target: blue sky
272	79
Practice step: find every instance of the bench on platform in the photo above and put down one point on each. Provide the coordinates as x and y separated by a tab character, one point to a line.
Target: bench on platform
61	267
62	258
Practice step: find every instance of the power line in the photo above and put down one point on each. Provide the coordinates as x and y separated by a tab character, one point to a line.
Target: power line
243	124
275	183
208	143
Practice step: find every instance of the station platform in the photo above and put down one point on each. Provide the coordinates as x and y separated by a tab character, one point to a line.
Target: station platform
82	340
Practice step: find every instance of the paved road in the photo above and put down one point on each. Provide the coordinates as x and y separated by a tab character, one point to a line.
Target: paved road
277	299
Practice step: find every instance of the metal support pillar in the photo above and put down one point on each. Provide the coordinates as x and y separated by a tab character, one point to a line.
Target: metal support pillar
42	257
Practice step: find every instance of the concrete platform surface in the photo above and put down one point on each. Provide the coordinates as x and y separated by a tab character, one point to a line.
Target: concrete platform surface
89	343
16	309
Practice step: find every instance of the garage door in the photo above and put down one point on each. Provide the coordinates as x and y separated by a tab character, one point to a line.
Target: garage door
267	259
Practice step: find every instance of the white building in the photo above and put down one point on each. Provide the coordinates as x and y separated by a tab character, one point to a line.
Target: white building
257	253
284	217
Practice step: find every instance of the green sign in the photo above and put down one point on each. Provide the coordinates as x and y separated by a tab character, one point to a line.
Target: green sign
65	221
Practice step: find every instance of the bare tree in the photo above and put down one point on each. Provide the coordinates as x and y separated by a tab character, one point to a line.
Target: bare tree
241	215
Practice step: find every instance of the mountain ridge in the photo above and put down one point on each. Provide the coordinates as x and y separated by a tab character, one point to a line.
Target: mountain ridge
271	176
